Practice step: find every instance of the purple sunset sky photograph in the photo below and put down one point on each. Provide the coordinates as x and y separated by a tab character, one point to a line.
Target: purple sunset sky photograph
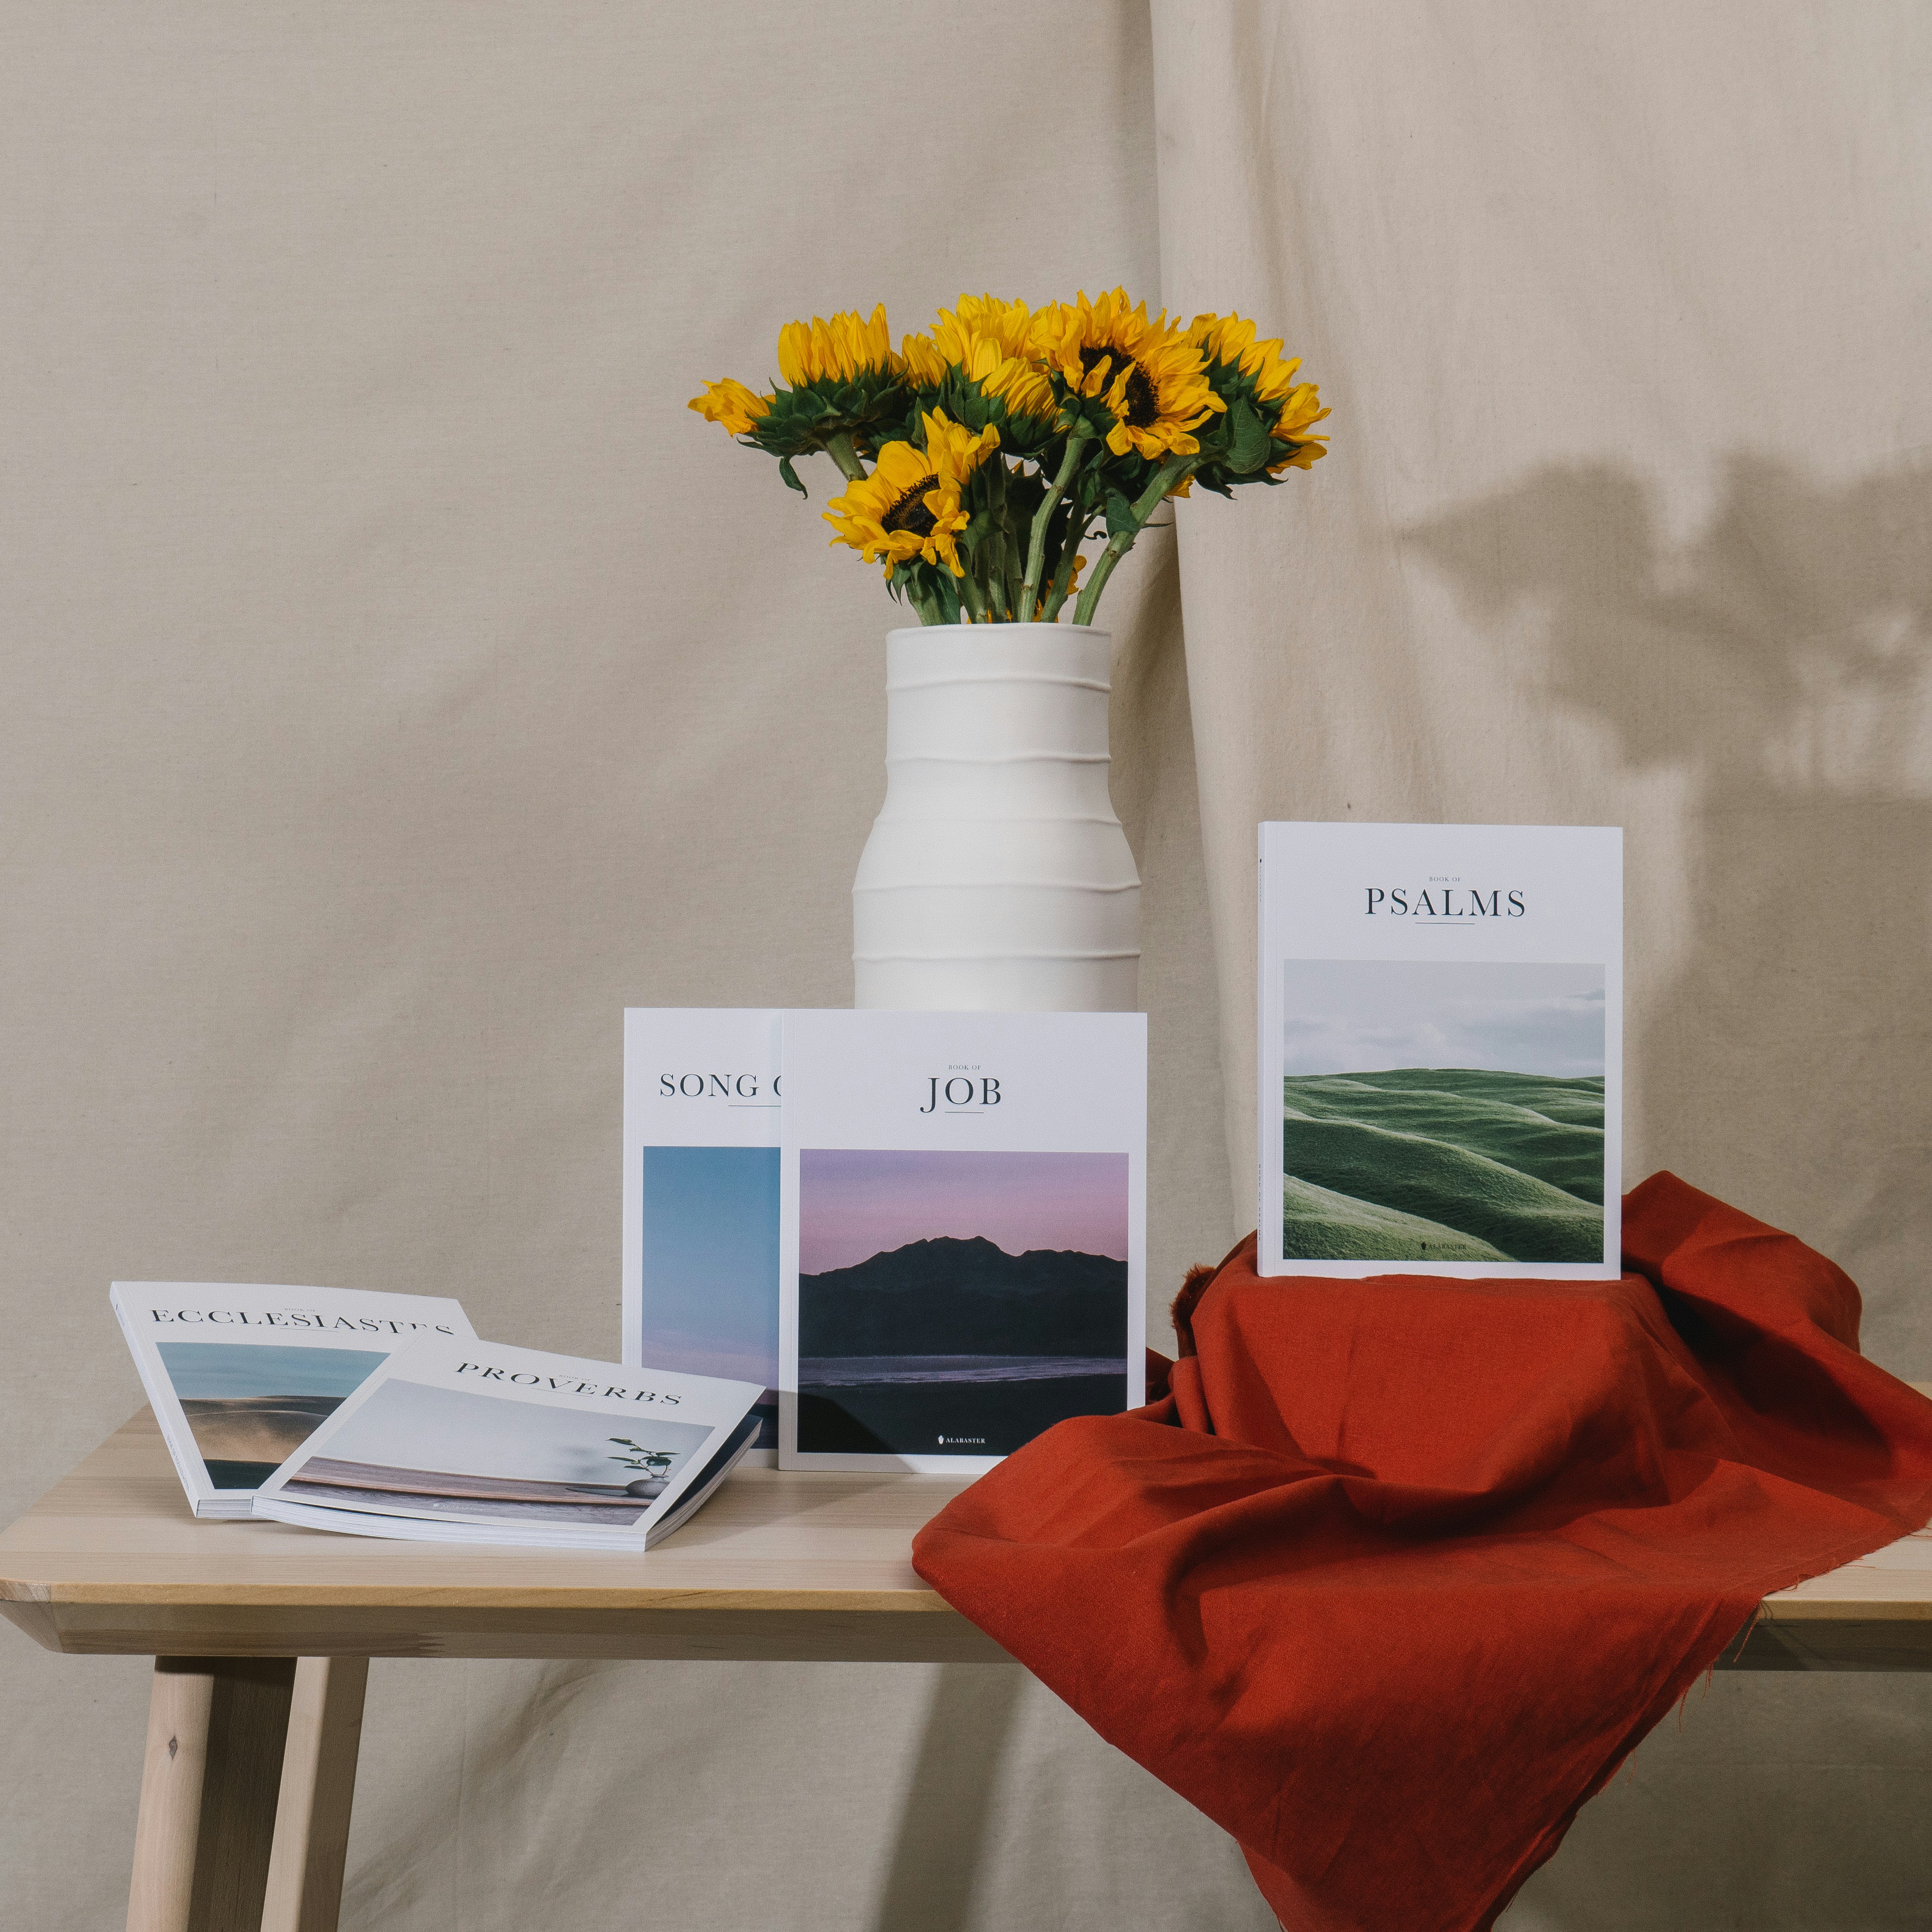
854	1203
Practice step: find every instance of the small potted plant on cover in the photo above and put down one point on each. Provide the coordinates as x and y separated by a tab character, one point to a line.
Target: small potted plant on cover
982	459
655	1463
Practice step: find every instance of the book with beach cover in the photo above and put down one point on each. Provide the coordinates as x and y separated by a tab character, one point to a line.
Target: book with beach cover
701	1099
963	1214
1441	1049
468	1442
240	1375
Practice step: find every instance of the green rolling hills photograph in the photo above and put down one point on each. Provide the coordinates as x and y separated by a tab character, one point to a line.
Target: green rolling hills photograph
1443	1111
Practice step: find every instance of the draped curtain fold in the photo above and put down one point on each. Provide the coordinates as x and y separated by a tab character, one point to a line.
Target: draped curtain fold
396	681
1627	520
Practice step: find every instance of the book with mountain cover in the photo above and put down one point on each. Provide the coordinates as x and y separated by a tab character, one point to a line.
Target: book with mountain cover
470	1442
963	1208
240	1375
1440	1049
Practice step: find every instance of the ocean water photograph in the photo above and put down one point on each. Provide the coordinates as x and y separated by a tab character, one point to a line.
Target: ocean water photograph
250	1405
957	1302
710	1266
413	1450
1443	1111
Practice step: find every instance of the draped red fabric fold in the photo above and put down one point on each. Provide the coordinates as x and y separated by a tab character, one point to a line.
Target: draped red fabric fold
1401	1569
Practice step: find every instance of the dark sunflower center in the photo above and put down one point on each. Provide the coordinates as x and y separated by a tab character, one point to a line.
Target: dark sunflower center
910	512
1143	405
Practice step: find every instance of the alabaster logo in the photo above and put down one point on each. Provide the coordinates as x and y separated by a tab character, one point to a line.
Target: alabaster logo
958	1441
960	1090
716	1086
1442	899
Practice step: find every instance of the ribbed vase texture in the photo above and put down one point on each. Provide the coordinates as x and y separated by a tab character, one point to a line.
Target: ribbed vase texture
997	876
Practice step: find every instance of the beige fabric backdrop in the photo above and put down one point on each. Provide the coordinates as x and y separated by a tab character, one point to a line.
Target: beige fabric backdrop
1623	311
396	681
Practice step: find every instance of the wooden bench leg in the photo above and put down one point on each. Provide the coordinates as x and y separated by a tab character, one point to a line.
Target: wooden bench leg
305	1886
216	1729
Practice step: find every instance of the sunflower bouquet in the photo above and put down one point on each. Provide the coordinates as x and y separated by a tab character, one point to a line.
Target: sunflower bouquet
982	455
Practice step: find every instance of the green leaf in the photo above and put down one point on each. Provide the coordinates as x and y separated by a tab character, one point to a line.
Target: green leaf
1120	514
790	476
1248	439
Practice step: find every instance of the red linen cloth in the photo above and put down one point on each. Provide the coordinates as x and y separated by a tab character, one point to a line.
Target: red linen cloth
1401	1569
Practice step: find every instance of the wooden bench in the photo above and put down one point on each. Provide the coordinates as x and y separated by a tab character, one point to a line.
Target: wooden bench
262	1634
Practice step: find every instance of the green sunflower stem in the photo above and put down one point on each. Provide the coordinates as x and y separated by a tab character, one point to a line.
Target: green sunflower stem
973	597
840	449
1150	500
1037	548
1002	576
1062	575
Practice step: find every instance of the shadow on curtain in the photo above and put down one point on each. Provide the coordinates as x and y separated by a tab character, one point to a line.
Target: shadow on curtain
942	1835
1780	663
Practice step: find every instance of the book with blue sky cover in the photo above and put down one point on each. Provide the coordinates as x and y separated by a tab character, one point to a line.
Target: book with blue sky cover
468	1442
963	1210
701	1098
1441	1036
240	1375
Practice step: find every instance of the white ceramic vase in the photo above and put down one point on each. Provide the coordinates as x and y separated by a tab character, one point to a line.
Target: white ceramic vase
997	876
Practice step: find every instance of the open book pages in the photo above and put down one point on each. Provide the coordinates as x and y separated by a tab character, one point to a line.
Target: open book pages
701	1099
964	1213
239	1375
467	1442
1441	1049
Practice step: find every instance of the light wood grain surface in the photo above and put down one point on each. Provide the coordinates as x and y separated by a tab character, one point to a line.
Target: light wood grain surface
301	1890
780	1565
209	1785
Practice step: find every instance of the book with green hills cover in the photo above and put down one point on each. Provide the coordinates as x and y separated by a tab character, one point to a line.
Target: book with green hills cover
1440	1048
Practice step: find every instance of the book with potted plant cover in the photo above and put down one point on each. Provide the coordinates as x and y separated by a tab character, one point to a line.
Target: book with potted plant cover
469	1442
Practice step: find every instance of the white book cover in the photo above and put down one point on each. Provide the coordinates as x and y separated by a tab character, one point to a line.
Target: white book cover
701	1197
963	1215
1440	1050
239	1375
471	1442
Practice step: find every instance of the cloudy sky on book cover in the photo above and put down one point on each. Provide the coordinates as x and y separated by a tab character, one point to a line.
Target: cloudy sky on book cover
700	1249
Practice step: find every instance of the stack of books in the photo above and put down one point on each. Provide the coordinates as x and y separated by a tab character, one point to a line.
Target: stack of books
852	1240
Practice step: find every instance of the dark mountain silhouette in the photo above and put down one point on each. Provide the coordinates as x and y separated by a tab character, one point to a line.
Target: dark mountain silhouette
950	1296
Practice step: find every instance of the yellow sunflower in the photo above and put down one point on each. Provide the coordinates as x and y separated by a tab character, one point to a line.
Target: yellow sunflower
1148	374
738	409
1290	408
909	508
836	351
990	342
1300	410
